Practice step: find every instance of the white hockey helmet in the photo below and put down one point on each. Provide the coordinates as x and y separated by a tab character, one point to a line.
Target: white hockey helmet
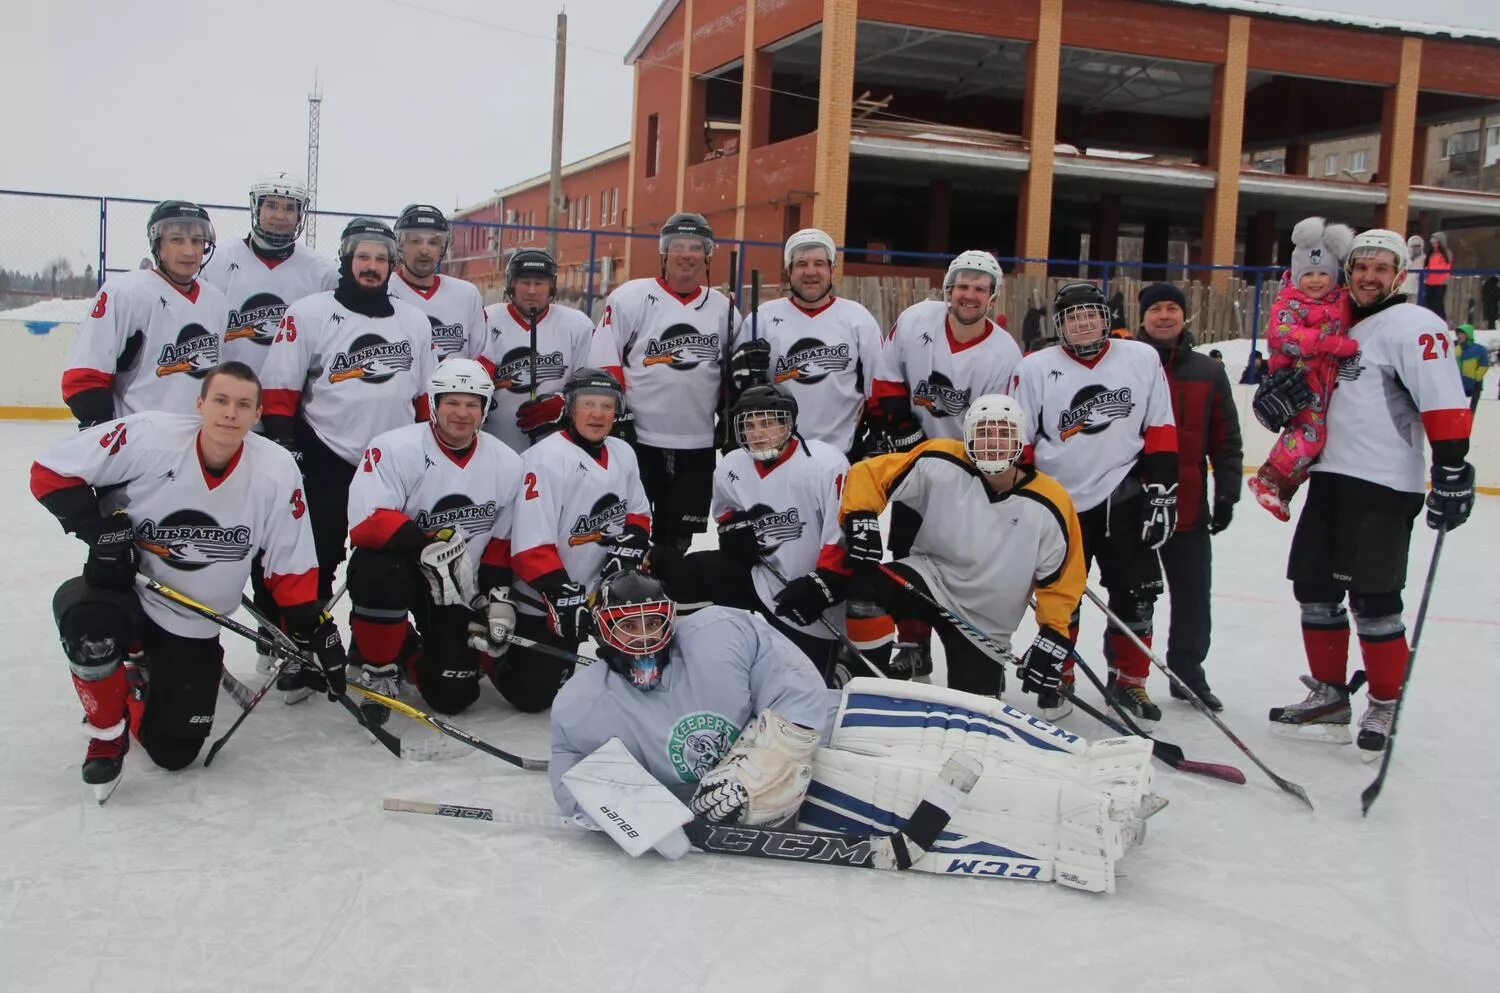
277	184
1376	240
994	429
974	261
809	238
459	375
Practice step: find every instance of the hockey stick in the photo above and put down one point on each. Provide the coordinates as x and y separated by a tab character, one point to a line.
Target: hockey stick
849	646
1164	750
1285	784
440	725
1368	795
726	382
754	304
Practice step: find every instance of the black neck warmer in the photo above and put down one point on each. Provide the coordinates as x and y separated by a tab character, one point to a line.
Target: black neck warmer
370	303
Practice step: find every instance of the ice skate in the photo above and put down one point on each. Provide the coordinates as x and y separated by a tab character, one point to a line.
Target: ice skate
105	760
1323	716
912	660
382	679
1375	728
1136	702
293	681
1052	706
1268	495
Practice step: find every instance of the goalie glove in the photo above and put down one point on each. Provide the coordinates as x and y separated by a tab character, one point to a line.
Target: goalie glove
491	635
763	778
445	564
1158	514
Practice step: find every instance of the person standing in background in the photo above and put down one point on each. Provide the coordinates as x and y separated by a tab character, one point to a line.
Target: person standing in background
1473	362
1436	277
1416	253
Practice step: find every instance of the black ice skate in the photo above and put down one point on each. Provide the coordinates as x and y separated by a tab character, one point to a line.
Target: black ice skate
104	761
1052	706
912	660
1323	716
1375	728
1136	702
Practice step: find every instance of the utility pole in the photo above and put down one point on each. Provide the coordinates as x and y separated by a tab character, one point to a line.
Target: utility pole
314	119
554	188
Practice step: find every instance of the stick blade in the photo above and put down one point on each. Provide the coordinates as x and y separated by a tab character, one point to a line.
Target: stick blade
1213	770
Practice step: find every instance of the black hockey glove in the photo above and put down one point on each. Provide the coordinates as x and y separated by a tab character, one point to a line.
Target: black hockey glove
1452	497
568	612
803	600
1158	514
315	633
750	364
628	551
540	417
1279	397
737	537
1223	514
112	557
862	542
624	428
1041	667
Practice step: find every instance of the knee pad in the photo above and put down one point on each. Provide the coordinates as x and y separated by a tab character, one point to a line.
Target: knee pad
379	582
1381	627
171	752
1317	593
529	682
96	627
1374	605
1135	607
449	694
1325	615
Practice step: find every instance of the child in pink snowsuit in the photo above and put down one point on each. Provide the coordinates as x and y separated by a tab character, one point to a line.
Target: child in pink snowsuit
1306	332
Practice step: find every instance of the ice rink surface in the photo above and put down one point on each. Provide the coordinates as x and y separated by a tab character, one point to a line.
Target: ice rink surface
277	869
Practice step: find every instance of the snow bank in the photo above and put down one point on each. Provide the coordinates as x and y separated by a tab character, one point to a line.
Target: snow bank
57	309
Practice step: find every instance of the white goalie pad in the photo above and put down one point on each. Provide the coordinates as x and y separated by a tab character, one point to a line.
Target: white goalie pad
924	724
1008	827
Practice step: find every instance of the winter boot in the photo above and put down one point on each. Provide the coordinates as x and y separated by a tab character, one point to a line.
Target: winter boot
1135	701
1270	492
1375	728
1198	683
1323	716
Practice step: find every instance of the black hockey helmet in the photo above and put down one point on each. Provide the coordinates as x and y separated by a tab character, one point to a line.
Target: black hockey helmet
422	217
171	213
764	419
530	263
1081	315
684	224
366	229
634	615
589	381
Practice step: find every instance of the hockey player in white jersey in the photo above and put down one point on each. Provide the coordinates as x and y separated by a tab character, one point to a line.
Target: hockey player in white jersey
663	337
263	274
1366	490
431	506
581	515
187	500
344	367
1099	421
821	349
153	334
776	501
527	411
454	307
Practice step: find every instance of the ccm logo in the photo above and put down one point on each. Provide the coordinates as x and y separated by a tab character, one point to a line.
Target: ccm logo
620	822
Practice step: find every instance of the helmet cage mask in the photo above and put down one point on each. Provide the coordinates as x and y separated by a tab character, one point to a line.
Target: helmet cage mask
769	428
1075	317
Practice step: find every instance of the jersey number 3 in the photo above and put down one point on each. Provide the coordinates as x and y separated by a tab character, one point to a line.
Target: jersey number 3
299	507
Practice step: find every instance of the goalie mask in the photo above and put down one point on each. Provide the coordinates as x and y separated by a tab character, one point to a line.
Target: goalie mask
1081	316
634	616
765	419
994	429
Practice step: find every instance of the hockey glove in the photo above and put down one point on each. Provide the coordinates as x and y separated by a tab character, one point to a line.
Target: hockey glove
737	537
628	551
862	538
803	600
112	557
1452	497
624	428
1223	514
568	613
1279	397
316	634
541	416
444	562
750	364
491	634
764	777
1041	667
1159	514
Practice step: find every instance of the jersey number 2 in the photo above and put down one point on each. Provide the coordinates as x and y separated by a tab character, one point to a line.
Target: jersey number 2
531	491
1429	344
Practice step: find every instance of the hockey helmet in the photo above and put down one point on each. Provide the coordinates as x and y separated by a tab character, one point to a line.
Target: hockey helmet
764	418
589	381
687	225
634	618
460	375
1080	313
363	229
530	263
173	216
806	239
1372	242
974	261
277	184
994	432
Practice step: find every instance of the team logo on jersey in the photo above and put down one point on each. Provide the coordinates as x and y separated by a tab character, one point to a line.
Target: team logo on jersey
810	361
371	359
191	540
459	512
447	339
1351	366
698	742
682	346
605	520
773	529
940	397
1093	409
256	319
195	351
513	372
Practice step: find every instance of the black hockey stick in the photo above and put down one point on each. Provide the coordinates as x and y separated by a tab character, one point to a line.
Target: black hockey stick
1286	785
531	319
438	724
1164	750
849	646
754	304
726	382
1368	795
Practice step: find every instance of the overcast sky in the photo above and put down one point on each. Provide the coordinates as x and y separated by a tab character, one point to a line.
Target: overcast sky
432	100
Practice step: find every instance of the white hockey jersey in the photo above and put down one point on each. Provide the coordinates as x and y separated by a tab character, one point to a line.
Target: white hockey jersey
669	352
827	359
258	292
941	375
800	533
351	376
147	342
724	667
195	532
1401	383
563	338
569	506
455	309
1087	423
408	475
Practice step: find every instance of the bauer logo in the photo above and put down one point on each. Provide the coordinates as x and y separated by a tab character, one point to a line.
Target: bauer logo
698	742
370	359
192	540
195	351
682	346
940	397
255	320
1093	409
513	372
810	361
619	822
